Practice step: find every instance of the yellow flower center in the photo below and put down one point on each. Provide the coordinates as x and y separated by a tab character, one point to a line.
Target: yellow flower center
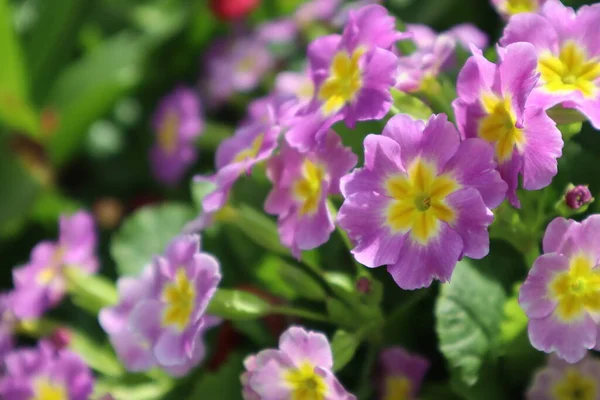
246	64
250	152
419	201
44	389
575	386
51	271
344	81
397	388
498	126
307	189
305	383
179	297
570	71
168	132
578	289
513	7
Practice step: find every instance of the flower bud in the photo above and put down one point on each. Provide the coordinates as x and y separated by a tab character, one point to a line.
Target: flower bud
60	338
578	196
228	10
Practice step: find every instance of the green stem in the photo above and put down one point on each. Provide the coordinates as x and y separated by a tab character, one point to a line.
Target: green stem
364	383
299	312
360	270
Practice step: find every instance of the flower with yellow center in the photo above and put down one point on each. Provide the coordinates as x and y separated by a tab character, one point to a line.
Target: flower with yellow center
344	81
419	201
570	71
168	132
44	389
52	270
250	152
179	297
575	386
499	126
305	383
513	7
577	290
397	388
307	189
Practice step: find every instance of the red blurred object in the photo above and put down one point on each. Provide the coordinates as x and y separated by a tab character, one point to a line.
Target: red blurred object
60	338
228	10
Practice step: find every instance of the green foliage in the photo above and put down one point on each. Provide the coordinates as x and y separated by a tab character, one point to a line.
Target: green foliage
90	292
238	305
406	104
224	384
147	233
343	347
469	312
99	356
289	281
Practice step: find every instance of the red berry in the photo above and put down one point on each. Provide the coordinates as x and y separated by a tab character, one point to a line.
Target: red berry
232	9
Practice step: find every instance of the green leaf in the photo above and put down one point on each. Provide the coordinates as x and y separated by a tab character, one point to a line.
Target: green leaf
16	111
90	292
98	356
343	347
339	313
406	104
19	189
146	233
223	384
289	281
199	190
238	305
515	320
86	90
132	388
259	228
468	312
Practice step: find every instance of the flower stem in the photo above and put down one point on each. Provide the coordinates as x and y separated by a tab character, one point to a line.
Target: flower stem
299	312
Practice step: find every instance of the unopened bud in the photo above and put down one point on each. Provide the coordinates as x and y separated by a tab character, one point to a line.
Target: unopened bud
578	196
60	338
228	10
363	285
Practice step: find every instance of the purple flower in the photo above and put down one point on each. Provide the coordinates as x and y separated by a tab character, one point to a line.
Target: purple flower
491	105
316	10
434	53
561	295
236	64
578	196
7	323
301	184
567	56
177	122
560	380
296	84
40	284
299	369
401	374
352	73
170	318
251	144
421	201
508	8
45	373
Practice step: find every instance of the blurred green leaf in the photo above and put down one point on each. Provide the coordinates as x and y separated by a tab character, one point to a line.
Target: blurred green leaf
15	110
90	292
237	305
469	312
19	189
223	384
289	281
146	233
132	388
406	104
343	347
259	228
88	89
340	314
515	320
99	357
199	190
50	204
160	19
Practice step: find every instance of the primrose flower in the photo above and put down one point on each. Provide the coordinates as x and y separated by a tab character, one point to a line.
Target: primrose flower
568	56
251	144
352	73
434	53
234	65
45	373
421	201
299	369
560	380
177	123
301	184
171	319
40	284
491	105
401	374
296	84
508	8
561	295
578	196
